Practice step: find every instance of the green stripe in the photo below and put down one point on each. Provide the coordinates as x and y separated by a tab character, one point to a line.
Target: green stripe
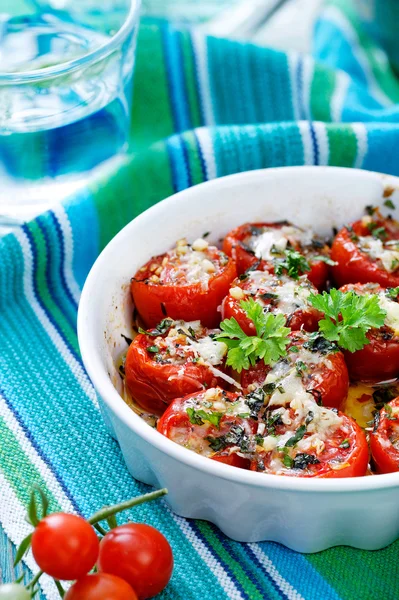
321	92
19	471
152	118
343	145
143	181
193	157
190	79
42	261
358	574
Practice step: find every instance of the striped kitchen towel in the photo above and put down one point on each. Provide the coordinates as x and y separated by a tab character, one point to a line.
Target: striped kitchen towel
203	108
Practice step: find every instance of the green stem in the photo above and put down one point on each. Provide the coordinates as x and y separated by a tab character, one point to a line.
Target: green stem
99	529
35	580
59	587
112	522
108	511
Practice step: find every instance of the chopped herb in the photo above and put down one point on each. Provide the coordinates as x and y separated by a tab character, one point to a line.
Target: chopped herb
244	415
348	317
300	367
205	235
303	460
153	349
384	394
388	411
198	417
317	396
269	388
216	443
325	259
300	432
345	444
389	204
370	210
269	344
269	296
294	264
128	340
380	233
255	401
352	233
318	343
394	264
273	422
259	439
377	418
235	437
309	417
288	461
392	293
251	268
160	329
294	349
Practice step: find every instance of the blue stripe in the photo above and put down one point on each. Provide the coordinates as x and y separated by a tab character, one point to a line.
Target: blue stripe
314	143
175	75
298	572
201	157
62	264
178	162
55	291
254	559
39	450
38	298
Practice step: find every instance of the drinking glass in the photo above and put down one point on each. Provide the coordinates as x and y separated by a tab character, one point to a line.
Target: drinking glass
66	69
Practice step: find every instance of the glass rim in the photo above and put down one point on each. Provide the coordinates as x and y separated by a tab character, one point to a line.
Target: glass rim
72	65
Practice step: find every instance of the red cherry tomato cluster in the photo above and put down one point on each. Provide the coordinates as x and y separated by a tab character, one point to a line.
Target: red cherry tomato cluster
133	560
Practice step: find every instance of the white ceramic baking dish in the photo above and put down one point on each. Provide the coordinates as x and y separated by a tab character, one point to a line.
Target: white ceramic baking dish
307	515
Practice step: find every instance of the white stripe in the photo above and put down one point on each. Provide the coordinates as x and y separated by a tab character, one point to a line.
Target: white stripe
268	565
205	141
331	13
214	565
339	95
66	229
293	58
201	54
322	142
362	143
29	293
307	71
306	142
32	455
12	517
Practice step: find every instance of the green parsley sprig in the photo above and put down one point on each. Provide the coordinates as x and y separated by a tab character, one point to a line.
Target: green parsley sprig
269	343
348	317
294	264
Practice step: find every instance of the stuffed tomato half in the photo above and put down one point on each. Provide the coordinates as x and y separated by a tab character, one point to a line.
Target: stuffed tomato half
267	245
188	283
384	440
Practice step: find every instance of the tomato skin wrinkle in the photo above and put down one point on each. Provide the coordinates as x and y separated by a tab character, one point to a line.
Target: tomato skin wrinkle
139	554
101	586
65	546
385	454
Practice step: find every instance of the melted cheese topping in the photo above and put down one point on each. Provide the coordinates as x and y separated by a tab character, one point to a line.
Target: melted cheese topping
291	294
387	254
392	309
275	240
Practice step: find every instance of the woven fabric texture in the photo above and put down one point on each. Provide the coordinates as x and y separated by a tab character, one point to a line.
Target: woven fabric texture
203	108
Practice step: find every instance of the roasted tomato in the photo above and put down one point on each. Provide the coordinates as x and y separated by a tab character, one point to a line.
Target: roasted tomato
187	283
384	440
379	359
312	363
275	294
306	440
213	423
262	243
172	360
368	250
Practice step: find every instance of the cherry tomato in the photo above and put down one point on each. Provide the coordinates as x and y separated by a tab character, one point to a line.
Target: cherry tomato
378	360
140	555
241	245
101	586
14	591
65	546
276	295
215	437
345	454
354	249
179	293
155	378
324	373
384	440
